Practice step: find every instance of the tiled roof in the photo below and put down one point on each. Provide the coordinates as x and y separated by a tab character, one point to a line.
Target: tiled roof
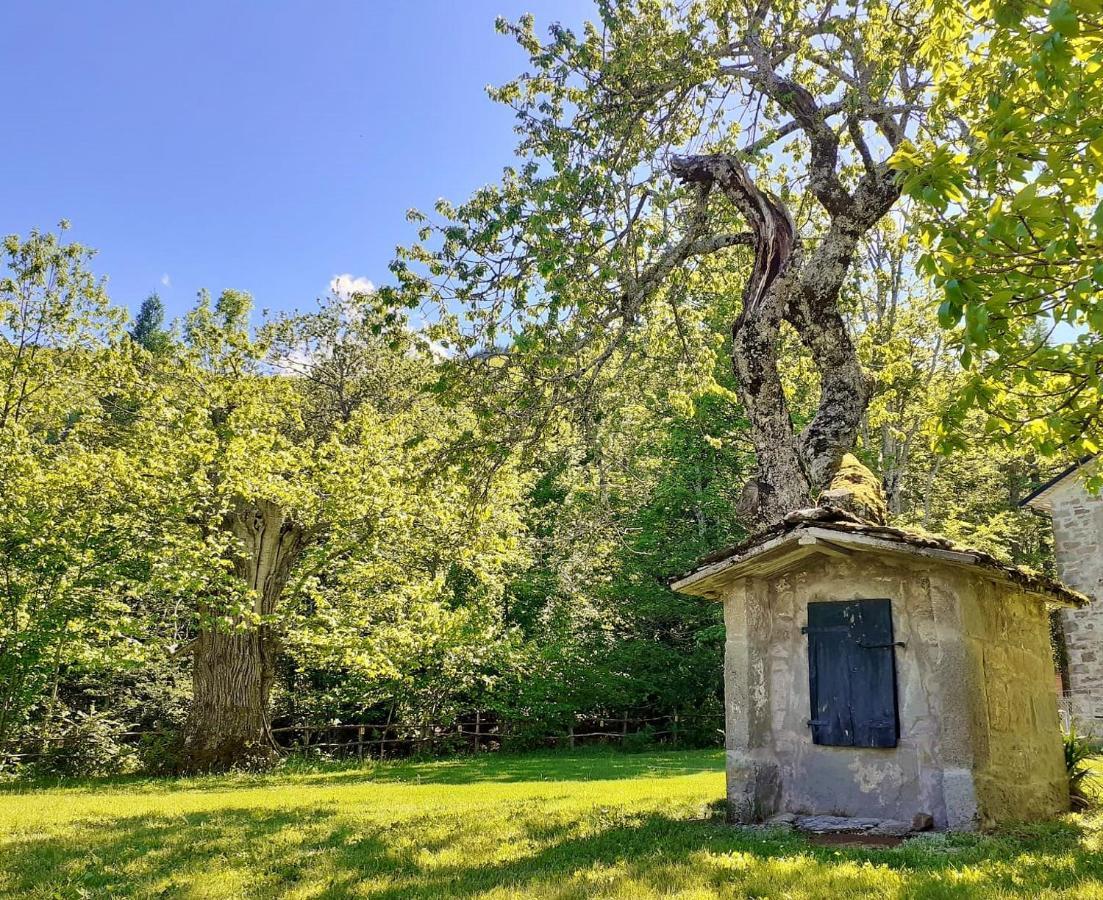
838	520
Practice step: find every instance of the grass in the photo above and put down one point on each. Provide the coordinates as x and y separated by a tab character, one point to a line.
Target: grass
549	825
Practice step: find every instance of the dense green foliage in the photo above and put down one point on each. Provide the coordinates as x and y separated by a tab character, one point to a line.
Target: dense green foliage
1014	192
483	513
539	825
426	590
148	330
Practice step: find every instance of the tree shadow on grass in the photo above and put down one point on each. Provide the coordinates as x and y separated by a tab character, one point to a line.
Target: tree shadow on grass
656	854
491	767
510	768
321	852
226	853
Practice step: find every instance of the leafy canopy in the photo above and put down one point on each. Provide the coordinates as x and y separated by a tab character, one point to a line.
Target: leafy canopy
1014	233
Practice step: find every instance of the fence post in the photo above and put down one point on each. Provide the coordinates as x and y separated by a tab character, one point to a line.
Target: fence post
360	742
478	723
383	732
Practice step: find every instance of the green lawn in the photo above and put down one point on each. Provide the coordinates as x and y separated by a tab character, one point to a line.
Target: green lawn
578	825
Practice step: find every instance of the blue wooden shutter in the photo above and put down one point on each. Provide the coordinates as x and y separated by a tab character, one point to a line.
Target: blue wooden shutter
852	674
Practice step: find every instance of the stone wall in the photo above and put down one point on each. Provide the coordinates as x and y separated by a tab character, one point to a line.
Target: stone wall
767	679
751	766
1078	541
1018	762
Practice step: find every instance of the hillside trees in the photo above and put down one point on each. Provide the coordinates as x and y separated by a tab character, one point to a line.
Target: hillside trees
400	604
217	493
148	329
74	536
629	496
912	366
969	494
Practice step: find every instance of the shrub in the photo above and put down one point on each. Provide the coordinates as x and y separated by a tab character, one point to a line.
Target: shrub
88	743
160	752
1079	749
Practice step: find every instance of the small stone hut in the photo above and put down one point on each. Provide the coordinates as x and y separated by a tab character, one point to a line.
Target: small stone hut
882	674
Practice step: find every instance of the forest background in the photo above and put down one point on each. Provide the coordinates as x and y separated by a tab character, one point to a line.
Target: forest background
346	515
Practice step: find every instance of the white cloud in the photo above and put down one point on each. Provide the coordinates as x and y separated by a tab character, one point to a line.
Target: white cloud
165	280
440	352
346	285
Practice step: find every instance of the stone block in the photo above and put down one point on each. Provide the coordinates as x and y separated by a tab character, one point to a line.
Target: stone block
892	828
836	824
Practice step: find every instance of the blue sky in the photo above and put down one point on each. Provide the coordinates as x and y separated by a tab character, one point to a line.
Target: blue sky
256	145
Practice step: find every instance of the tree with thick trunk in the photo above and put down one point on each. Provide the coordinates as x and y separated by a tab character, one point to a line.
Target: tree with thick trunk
289	431
787	284
660	144
253	497
312	507
234	660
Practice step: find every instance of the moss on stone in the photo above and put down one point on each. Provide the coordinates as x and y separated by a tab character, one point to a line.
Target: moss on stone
857	490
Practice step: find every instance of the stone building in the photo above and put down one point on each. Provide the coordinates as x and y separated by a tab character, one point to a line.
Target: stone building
885	675
1078	544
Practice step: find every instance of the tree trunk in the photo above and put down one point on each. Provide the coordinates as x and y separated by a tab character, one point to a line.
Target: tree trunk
781	484
231	679
894	463
788	285
234	656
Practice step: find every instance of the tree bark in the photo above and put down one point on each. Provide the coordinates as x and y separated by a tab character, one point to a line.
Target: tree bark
234	659
788	285
782	483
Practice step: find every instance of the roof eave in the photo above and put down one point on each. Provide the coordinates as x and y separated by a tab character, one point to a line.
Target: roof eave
1039	499
780	553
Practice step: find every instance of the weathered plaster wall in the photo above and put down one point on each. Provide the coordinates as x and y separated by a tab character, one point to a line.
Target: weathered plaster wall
1019	767
896	783
751	764
1078	541
943	701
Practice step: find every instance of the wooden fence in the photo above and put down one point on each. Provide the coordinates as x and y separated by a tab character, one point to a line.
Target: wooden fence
475	732
481	732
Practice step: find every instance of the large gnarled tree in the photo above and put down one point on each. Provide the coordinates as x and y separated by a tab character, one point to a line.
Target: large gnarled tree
665	148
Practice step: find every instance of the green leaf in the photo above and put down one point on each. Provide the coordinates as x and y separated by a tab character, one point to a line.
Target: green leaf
1063	18
949	314
1009	14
